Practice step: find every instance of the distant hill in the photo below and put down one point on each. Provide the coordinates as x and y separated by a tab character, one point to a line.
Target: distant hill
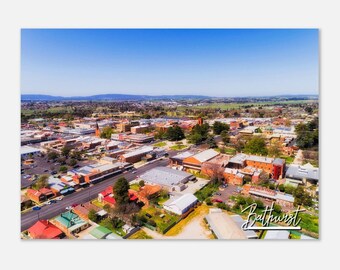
119	97
124	97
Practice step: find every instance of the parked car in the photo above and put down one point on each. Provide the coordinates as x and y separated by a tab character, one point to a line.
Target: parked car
59	198
69	207
47	203
53	201
35	208
74	205
217	200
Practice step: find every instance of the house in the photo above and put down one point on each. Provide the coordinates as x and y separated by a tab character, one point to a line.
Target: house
43	229
223	226
70	223
47	193
25	202
180	205
101	232
107	196
35	195
195	162
167	178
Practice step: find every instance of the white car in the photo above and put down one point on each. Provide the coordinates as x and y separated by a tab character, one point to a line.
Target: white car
59	198
69	207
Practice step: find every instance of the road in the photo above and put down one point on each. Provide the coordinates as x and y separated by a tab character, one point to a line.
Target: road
82	196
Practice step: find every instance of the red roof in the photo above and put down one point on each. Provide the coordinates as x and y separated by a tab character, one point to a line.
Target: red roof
45	191
107	191
43	229
32	192
132	195
109	200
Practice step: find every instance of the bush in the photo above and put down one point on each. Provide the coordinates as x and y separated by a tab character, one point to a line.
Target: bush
142	183
63	169
208	201
152	222
259	203
222	206
277	208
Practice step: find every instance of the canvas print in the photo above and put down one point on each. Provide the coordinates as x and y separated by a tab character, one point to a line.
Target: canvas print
169	134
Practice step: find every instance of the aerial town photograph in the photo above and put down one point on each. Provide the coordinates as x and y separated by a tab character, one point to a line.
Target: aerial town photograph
169	134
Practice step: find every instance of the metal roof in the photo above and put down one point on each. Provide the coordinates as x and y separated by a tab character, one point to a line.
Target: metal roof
206	155
182	202
165	176
301	172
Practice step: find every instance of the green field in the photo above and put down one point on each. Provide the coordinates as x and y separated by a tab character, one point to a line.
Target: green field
226	106
160	144
178	147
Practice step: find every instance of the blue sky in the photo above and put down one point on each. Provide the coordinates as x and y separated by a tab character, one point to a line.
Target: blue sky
214	62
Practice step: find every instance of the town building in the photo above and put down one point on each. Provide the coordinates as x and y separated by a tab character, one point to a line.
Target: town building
170	179
223	226
302	174
180	205
136	155
195	162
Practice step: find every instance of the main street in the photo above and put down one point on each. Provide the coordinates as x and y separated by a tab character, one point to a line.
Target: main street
85	195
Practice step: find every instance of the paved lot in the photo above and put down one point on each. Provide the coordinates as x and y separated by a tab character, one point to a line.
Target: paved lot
40	166
194	186
226	193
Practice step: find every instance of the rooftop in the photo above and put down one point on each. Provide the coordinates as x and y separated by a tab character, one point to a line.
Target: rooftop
164	176
181	202
300	172
206	155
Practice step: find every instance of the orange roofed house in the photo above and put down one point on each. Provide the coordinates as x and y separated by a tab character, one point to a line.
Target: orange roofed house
43	229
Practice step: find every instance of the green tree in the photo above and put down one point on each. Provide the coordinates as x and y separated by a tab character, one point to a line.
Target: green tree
106	133
225	137
274	150
141	183
256	145
72	162
63	169
120	190
42	182
211	141
277	208
65	151
92	215
174	133
218	127
52	155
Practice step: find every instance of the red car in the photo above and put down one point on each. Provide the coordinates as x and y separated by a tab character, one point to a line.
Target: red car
217	200
74	205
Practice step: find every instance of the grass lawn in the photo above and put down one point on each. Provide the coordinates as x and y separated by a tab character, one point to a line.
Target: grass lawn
160	144
178	147
135	187
140	235
206	192
96	203
201	210
162	223
288	159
